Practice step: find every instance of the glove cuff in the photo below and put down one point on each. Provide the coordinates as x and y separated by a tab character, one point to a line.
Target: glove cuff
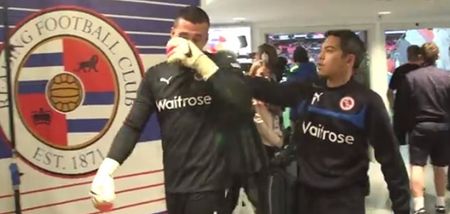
205	66
108	166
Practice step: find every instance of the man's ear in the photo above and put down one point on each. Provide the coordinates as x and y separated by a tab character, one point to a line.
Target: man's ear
350	59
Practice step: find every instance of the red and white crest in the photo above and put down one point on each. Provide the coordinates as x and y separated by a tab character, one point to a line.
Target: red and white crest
347	103
72	71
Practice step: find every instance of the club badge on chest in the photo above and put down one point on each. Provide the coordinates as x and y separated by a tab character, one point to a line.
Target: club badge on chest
347	103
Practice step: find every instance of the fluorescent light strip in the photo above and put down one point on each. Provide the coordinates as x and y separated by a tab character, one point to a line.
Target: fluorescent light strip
147	33
154	2
107	15
150	47
394	32
10	26
23	9
138	17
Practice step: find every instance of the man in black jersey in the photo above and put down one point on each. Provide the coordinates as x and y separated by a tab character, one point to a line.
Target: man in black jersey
426	105
195	113
338	119
414	62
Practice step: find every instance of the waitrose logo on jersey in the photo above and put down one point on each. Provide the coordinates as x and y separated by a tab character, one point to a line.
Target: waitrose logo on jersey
180	102
320	132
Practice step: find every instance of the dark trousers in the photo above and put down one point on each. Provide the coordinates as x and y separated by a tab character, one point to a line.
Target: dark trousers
255	187
196	203
343	201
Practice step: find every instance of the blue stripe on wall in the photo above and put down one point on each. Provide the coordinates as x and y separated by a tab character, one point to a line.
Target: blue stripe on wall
143	25
32	87
125	24
111	7
44	60
86	125
151	40
107	7
99	98
115	8
189	2
5	148
151	51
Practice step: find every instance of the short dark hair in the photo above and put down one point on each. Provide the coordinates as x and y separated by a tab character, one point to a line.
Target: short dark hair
413	52
350	44
192	14
300	55
430	53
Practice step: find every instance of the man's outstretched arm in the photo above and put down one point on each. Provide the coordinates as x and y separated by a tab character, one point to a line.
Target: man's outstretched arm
102	188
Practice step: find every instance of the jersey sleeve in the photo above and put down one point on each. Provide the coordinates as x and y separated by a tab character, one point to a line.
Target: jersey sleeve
384	142
243	150
230	90
281	94
128	135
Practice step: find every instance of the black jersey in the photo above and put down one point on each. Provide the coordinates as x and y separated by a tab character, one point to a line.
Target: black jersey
333	130
398	77
427	97
195	117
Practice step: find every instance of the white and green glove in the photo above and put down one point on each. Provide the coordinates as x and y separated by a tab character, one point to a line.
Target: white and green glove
102	188
180	50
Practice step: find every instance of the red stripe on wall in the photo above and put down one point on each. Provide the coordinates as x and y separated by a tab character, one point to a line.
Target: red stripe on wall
83	183
135	205
88	198
139	188
6	196
56	204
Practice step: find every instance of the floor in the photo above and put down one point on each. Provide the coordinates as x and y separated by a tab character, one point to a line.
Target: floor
378	201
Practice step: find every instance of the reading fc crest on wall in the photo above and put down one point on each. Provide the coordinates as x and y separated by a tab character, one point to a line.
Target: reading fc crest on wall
75	76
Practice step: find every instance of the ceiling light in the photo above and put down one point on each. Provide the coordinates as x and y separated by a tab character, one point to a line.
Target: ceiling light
239	19
384	12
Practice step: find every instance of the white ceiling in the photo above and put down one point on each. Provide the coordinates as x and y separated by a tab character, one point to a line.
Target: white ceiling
325	12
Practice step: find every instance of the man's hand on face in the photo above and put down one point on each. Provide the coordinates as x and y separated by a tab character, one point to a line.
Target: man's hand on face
180	50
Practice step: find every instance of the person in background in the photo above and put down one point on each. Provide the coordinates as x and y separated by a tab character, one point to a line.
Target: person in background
267	117
425	106
265	57
303	69
414	62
